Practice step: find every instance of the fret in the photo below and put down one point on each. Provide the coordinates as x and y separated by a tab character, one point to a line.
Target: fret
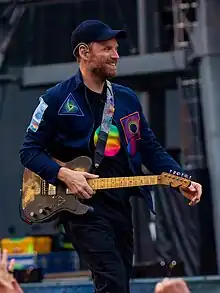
131	181
125	181
108	183
102	183
151	180
95	184
122	182
116	183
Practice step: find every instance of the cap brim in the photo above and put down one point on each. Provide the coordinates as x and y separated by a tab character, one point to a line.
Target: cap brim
110	34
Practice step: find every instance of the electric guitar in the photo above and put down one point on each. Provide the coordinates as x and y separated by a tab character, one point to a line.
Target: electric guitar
41	201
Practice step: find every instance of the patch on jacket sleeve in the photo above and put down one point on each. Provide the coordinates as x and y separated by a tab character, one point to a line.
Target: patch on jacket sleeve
37	116
70	107
131	127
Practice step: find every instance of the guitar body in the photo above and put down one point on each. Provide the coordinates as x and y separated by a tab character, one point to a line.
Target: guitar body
41	202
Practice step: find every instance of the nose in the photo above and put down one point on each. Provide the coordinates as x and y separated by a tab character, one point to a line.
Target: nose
115	54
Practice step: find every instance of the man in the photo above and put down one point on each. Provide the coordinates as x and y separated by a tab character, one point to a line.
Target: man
66	124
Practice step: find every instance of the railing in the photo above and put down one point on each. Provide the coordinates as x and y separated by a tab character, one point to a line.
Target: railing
184	20
196	285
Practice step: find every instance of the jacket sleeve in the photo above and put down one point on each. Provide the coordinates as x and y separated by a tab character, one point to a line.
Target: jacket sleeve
33	152
154	156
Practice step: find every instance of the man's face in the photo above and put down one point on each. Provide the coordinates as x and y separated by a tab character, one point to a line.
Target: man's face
103	57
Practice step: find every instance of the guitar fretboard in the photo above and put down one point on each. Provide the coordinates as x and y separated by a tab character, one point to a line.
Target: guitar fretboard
121	182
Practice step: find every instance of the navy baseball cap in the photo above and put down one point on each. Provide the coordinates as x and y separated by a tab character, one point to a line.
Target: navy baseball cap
94	31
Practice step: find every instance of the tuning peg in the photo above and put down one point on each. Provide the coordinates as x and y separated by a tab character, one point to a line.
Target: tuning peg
173	172
186	176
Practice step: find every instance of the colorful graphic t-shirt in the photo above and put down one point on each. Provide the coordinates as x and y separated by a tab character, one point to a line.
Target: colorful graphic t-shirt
113	203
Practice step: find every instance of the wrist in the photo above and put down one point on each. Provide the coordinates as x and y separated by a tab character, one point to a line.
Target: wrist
61	175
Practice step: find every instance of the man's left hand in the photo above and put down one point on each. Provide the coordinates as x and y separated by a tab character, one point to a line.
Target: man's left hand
193	193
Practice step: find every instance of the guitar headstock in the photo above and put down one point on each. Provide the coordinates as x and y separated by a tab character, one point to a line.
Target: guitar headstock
174	180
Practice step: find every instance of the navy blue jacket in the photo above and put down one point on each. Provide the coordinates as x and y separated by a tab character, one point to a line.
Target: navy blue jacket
62	125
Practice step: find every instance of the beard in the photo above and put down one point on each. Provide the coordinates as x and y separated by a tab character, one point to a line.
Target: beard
103	70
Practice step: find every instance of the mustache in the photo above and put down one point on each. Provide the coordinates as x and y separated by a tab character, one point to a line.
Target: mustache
113	60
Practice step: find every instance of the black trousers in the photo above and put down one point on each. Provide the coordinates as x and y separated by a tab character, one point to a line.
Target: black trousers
107	247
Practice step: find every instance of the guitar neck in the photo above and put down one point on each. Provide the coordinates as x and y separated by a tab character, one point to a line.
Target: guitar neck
122	182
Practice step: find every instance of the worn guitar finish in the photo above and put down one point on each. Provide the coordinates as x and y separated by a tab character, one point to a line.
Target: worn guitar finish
42	201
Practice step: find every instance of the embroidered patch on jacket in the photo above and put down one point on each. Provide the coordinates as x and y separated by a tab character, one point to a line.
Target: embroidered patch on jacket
70	107
131	127
37	116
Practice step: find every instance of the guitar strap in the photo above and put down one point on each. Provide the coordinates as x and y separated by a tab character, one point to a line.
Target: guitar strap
107	117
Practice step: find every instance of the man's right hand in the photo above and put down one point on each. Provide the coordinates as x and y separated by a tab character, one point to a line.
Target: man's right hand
76	182
172	286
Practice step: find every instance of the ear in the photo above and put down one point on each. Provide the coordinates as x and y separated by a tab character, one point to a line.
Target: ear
83	51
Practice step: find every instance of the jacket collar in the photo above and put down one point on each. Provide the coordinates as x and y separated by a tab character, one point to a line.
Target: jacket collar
78	79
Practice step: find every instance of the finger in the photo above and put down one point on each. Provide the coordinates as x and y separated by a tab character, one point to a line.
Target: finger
82	193
196	198
88	192
197	201
79	193
192	203
89	175
73	190
85	195
186	193
11	265
88	189
192	188
199	189
4	258
159	288
182	286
